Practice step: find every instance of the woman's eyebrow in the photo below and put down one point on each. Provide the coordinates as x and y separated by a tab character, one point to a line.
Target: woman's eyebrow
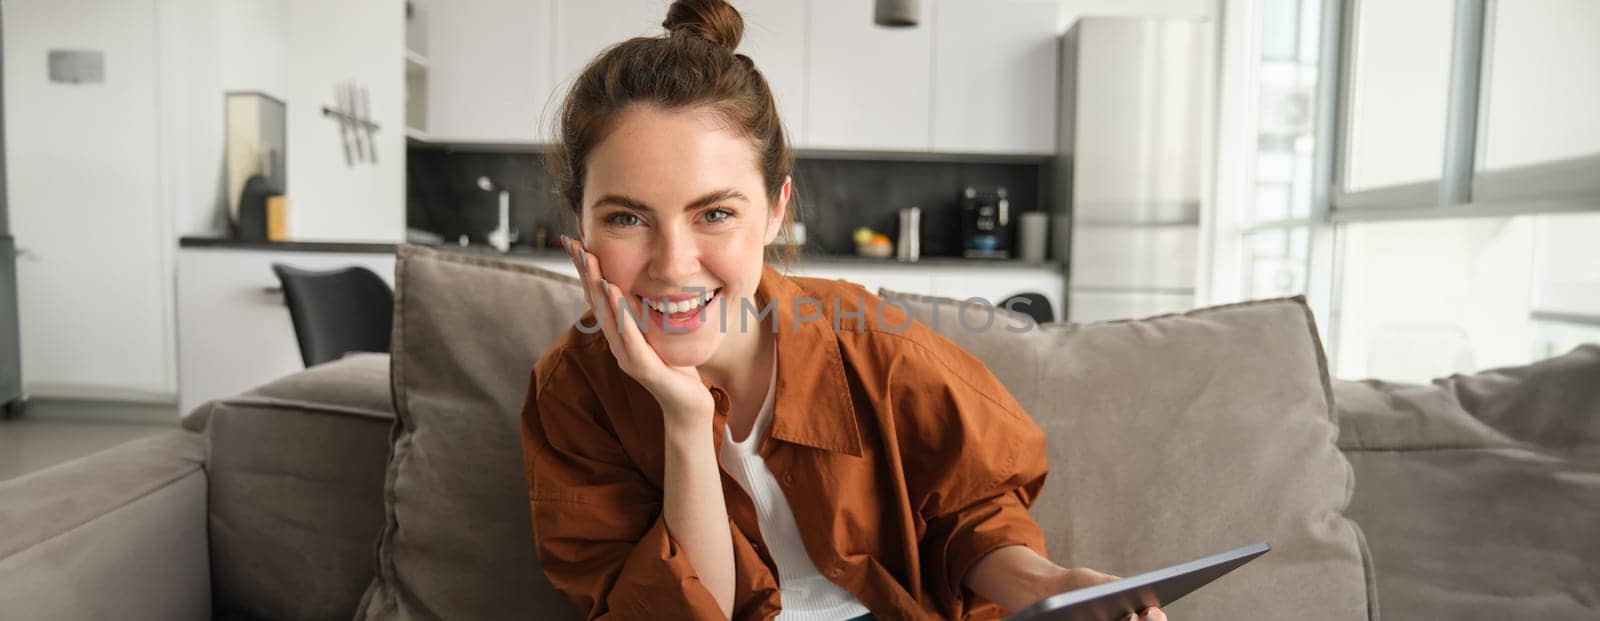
709	198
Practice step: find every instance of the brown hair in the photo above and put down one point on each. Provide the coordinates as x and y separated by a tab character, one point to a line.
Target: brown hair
692	65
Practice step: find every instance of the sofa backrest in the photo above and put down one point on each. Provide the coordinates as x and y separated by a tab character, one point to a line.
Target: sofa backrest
1170	438
295	490
1179	436
1479	492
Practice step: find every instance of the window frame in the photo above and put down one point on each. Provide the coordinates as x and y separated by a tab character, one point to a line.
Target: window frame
1461	190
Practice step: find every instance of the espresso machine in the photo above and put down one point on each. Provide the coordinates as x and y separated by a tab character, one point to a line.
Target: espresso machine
985	223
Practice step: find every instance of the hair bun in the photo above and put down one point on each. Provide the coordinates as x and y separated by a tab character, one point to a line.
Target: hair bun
713	20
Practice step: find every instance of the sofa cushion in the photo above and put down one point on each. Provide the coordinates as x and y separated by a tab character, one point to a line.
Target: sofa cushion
1178	436
458	538
295	490
1478	492
1552	405
117	534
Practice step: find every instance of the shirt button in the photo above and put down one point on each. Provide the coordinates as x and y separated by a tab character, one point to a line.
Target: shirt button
788	478
836	572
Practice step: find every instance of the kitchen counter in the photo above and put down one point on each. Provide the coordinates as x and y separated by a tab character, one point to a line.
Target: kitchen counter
524	252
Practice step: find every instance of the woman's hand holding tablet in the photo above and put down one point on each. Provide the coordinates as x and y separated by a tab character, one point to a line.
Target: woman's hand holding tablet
1094	596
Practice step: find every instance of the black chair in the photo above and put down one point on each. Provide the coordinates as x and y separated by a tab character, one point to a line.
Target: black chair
336	312
1032	304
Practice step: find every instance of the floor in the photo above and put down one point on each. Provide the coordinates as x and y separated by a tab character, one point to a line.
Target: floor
53	432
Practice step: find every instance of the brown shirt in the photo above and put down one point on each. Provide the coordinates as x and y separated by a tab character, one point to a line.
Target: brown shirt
904	459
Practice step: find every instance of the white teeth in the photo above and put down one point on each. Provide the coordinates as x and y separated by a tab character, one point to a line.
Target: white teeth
673	308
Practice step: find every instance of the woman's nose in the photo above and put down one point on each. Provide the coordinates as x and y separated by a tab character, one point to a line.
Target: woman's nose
676	257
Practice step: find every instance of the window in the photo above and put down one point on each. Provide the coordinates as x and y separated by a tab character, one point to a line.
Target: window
1435	194
1399	85
1278	220
1540	135
1462	109
1423	299
1540	96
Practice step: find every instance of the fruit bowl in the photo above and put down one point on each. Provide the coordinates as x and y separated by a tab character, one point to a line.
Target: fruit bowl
877	251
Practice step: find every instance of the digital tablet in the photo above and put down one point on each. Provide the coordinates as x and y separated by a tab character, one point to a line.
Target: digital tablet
1117	599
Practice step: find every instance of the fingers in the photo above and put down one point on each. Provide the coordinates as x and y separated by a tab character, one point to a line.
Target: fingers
621	331
627	333
593	286
580	263
1149	614
1090	577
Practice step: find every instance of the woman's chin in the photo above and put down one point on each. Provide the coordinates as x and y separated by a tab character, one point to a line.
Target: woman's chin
674	351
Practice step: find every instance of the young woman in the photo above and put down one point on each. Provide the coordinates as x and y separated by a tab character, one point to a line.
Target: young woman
734	442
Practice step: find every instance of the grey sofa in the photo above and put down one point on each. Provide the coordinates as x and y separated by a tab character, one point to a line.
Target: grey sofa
383	486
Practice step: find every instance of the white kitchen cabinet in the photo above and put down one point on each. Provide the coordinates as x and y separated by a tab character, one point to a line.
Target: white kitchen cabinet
994	76
990	283
891	277
775	38
499	69
975	77
491	70
869	86
995	285
585	27
234	331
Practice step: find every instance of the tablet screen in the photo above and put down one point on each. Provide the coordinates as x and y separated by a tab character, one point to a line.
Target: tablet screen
1117	599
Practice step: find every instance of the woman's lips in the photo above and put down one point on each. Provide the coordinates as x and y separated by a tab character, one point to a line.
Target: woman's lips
665	300
684	321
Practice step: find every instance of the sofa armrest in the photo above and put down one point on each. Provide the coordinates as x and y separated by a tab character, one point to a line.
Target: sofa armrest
121	533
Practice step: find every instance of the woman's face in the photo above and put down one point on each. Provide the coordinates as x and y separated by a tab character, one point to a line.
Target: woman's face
673	205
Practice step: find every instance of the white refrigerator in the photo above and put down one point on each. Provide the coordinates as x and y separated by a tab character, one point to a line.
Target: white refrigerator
1135	100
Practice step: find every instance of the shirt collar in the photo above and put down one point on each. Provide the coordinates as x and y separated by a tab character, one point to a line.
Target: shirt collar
812	406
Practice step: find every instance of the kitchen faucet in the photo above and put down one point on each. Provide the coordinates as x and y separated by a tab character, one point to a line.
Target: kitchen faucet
503	235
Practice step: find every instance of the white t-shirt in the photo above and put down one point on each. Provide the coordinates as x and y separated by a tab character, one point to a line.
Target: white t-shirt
807	595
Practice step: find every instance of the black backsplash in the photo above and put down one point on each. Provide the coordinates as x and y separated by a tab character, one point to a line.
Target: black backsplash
833	195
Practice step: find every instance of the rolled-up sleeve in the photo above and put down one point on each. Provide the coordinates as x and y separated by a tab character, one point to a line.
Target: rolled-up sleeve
597	522
974	460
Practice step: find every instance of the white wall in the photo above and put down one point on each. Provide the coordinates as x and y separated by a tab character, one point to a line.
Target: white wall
328	43
104	178
213	47
252	37
189	73
296	51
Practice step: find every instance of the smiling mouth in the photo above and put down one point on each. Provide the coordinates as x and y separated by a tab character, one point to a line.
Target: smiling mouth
686	306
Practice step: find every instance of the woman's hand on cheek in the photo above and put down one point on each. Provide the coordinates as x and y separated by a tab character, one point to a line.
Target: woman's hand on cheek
683	397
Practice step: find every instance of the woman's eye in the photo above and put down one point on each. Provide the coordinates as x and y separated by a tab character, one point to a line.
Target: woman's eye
718	215
623	219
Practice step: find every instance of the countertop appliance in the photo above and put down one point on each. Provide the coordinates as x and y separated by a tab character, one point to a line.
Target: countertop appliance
985	223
